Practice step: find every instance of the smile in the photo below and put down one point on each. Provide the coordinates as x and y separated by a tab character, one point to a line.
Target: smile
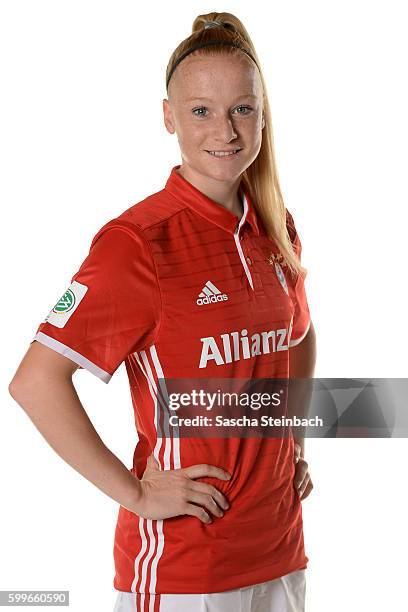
224	154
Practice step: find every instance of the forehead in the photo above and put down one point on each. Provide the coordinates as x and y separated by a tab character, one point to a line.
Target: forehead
207	76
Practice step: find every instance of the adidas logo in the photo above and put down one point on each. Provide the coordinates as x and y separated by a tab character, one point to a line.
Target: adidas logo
210	294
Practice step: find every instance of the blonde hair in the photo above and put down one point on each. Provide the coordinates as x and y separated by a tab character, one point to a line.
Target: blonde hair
260	179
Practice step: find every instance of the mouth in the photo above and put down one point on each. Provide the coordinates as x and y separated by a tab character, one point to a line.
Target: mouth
226	154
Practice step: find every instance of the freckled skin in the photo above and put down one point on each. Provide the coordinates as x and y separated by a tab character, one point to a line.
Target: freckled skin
224	123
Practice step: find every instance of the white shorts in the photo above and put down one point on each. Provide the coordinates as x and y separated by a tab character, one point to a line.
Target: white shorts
285	594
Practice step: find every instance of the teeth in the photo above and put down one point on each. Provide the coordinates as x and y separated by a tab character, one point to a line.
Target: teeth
223	153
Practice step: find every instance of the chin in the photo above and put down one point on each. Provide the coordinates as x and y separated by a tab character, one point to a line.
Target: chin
227	174
221	167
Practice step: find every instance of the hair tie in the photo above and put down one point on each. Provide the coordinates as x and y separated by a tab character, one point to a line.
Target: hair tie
213	24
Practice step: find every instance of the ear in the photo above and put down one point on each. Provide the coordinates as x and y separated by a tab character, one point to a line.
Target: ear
263	122
168	117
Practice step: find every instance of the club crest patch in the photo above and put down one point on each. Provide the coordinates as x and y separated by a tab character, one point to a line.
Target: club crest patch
66	305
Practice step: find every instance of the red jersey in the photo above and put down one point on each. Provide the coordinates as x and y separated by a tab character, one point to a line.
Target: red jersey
169	287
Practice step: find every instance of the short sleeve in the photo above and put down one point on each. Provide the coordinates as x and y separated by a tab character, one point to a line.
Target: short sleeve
112	306
301	317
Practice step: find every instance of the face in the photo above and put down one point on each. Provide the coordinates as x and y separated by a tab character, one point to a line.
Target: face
216	104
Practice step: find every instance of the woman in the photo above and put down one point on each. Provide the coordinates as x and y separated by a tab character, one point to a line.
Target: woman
200	280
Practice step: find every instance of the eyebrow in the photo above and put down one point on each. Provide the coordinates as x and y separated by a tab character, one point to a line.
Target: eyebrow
209	99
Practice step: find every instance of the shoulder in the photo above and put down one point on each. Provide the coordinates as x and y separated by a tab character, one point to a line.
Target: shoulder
154	209
293	234
136	221
290	224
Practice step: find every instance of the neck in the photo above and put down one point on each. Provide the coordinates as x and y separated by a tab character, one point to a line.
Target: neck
225	194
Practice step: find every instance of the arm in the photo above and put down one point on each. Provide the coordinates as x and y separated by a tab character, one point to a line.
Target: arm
302	360
43	387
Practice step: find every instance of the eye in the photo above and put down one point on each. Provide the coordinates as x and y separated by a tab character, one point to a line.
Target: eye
197	111
246	107
200	108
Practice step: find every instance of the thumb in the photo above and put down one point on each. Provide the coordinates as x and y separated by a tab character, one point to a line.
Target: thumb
152	462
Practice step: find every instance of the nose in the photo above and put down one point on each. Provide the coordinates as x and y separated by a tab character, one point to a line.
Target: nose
224	129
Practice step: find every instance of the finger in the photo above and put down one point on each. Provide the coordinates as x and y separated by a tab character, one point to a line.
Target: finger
303	486
199	512
202	487
300	473
203	469
297	483
206	501
297	453
307	490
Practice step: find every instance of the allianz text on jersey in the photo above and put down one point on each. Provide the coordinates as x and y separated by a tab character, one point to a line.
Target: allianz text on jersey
236	345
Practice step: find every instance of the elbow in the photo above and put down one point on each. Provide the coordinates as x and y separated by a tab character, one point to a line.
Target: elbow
11	389
14	387
18	390
25	386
